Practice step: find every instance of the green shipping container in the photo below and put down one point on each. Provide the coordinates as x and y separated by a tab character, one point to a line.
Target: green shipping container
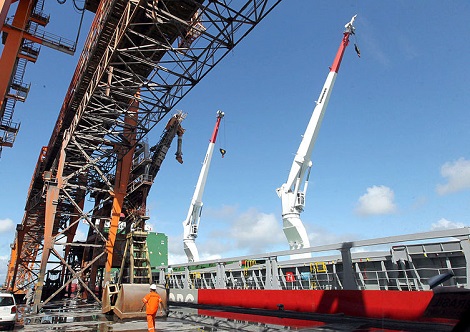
157	244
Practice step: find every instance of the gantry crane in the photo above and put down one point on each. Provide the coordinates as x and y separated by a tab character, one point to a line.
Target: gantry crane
139	60
191	223
291	194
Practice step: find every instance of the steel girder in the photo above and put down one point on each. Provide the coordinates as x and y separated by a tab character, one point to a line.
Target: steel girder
147	52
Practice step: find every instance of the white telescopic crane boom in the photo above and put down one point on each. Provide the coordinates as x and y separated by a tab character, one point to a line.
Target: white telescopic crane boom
191	223
291	194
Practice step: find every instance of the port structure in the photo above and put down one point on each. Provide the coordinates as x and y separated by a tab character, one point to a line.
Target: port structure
139	60
22	37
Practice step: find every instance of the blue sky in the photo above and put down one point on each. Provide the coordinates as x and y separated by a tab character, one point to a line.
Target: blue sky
391	158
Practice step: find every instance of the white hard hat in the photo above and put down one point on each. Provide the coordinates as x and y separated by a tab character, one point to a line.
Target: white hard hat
153	286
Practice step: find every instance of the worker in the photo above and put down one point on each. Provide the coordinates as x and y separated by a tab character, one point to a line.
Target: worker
152	302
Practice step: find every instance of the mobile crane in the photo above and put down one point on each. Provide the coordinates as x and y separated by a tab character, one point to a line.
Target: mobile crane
191	223
291	195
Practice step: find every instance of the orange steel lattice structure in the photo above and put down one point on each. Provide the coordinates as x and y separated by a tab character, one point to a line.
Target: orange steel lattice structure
140	59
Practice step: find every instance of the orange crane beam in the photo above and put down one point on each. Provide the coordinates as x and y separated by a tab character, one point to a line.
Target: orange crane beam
21	34
13	43
4	7
123	170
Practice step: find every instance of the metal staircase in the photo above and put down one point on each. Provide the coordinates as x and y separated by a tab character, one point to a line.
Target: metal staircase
135	267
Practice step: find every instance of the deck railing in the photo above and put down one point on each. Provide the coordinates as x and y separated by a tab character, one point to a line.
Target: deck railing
405	267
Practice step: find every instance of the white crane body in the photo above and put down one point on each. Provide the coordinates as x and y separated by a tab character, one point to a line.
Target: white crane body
291	194
191	223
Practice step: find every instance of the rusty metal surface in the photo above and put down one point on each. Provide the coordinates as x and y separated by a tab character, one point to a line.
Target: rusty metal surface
129	301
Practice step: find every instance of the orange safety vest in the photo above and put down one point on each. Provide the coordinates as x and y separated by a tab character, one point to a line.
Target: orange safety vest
152	300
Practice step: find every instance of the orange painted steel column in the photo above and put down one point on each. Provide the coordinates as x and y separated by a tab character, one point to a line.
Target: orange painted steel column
4	7
11	266
12	280
123	169
13	44
52	198
12	275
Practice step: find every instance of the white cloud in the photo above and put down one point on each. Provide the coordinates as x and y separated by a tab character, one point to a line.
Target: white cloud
319	236
457	174
249	232
225	212
176	259
377	200
256	231
446	224
3	267
176	253
6	225
80	236
208	257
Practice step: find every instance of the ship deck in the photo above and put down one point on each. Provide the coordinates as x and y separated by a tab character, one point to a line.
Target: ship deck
76	314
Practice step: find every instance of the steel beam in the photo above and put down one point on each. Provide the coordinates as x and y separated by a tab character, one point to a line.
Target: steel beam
12	45
123	170
4	7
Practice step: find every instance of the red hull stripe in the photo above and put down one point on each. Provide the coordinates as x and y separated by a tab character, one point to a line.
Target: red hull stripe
398	305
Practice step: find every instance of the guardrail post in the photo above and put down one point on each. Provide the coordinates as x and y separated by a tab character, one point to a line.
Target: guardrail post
348	273
161	276
186	282
220	276
272	274
465	243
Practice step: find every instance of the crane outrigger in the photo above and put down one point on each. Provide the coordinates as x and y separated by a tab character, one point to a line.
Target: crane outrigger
191	223
291	194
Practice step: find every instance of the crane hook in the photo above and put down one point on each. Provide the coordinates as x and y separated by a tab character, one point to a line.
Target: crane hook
358	51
